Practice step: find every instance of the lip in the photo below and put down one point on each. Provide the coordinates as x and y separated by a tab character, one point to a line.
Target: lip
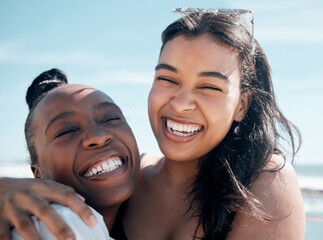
101	158
176	138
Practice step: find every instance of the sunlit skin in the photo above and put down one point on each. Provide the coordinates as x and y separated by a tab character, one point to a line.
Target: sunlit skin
194	99
193	102
76	128
197	84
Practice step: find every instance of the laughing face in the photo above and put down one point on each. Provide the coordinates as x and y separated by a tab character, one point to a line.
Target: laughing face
195	97
82	139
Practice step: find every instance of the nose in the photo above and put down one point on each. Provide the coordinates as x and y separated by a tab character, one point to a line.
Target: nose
183	100
96	137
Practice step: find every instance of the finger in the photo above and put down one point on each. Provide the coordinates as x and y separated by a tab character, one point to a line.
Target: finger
42	210
22	223
66	196
80	208
80	197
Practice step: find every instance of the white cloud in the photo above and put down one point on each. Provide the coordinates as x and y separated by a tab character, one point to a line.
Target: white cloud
118	76
16	53
100	69
287	34
127	76
311	85
273	5
286	21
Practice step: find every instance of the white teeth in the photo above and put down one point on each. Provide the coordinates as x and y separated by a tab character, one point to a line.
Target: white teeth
106	166
182	129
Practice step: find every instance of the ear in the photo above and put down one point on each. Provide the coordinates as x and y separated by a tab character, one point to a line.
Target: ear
36	170
243	106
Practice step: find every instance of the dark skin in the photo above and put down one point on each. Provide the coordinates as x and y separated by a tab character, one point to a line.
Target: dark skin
193	102
76	129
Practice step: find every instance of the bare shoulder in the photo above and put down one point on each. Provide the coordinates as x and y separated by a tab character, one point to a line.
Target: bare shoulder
278	190
150	165
280	195
277	181
149	160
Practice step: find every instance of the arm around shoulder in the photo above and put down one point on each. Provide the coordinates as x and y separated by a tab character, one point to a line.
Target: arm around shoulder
280	195
80	229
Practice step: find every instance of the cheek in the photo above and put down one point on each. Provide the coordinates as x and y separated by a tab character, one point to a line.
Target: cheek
56	163
219	112
157	98
152	103
125	135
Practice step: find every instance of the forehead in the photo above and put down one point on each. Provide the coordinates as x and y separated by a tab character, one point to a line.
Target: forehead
76	92
70	97
203	47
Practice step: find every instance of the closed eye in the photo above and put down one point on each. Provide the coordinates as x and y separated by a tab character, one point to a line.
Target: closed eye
66	132
211	88
167	80
112	119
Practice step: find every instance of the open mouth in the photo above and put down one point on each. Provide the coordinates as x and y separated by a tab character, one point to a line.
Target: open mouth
104	166
181	129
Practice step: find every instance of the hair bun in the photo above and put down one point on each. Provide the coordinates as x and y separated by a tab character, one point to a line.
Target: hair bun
42	84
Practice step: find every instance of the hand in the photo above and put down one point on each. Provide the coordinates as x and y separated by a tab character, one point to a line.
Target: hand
20	198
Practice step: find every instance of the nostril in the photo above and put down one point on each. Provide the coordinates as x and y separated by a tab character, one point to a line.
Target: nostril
96	138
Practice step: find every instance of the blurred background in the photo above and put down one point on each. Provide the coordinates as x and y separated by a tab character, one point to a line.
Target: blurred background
114	46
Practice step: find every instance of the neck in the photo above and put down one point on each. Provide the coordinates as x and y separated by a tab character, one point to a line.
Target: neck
109	215
178	174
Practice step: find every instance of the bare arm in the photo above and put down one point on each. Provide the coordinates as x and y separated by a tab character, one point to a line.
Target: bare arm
20	198
280	194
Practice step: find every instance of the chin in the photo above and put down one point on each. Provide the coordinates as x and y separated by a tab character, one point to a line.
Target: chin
178	155
110	197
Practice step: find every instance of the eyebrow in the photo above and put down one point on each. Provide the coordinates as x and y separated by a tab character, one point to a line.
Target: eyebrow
214	74
166	67
66	115
105	105
63	115
202	74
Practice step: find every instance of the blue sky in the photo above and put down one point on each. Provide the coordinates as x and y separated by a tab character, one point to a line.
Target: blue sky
114	46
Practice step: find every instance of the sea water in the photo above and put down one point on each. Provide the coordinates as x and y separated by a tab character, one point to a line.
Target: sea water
310	179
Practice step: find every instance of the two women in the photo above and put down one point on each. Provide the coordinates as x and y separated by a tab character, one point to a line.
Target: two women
214	115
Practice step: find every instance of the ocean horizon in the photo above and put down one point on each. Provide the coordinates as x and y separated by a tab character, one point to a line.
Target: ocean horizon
310	178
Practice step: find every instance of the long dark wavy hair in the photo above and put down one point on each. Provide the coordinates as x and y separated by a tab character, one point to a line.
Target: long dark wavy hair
221	187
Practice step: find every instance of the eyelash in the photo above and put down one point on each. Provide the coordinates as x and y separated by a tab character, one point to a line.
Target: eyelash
211	88
65	132
167	80
112	119
203	87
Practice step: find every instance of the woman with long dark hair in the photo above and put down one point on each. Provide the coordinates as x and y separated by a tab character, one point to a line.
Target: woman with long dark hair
224	173
213	112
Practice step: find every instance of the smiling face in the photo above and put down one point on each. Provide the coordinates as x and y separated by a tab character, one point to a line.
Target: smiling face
195	97
83	140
